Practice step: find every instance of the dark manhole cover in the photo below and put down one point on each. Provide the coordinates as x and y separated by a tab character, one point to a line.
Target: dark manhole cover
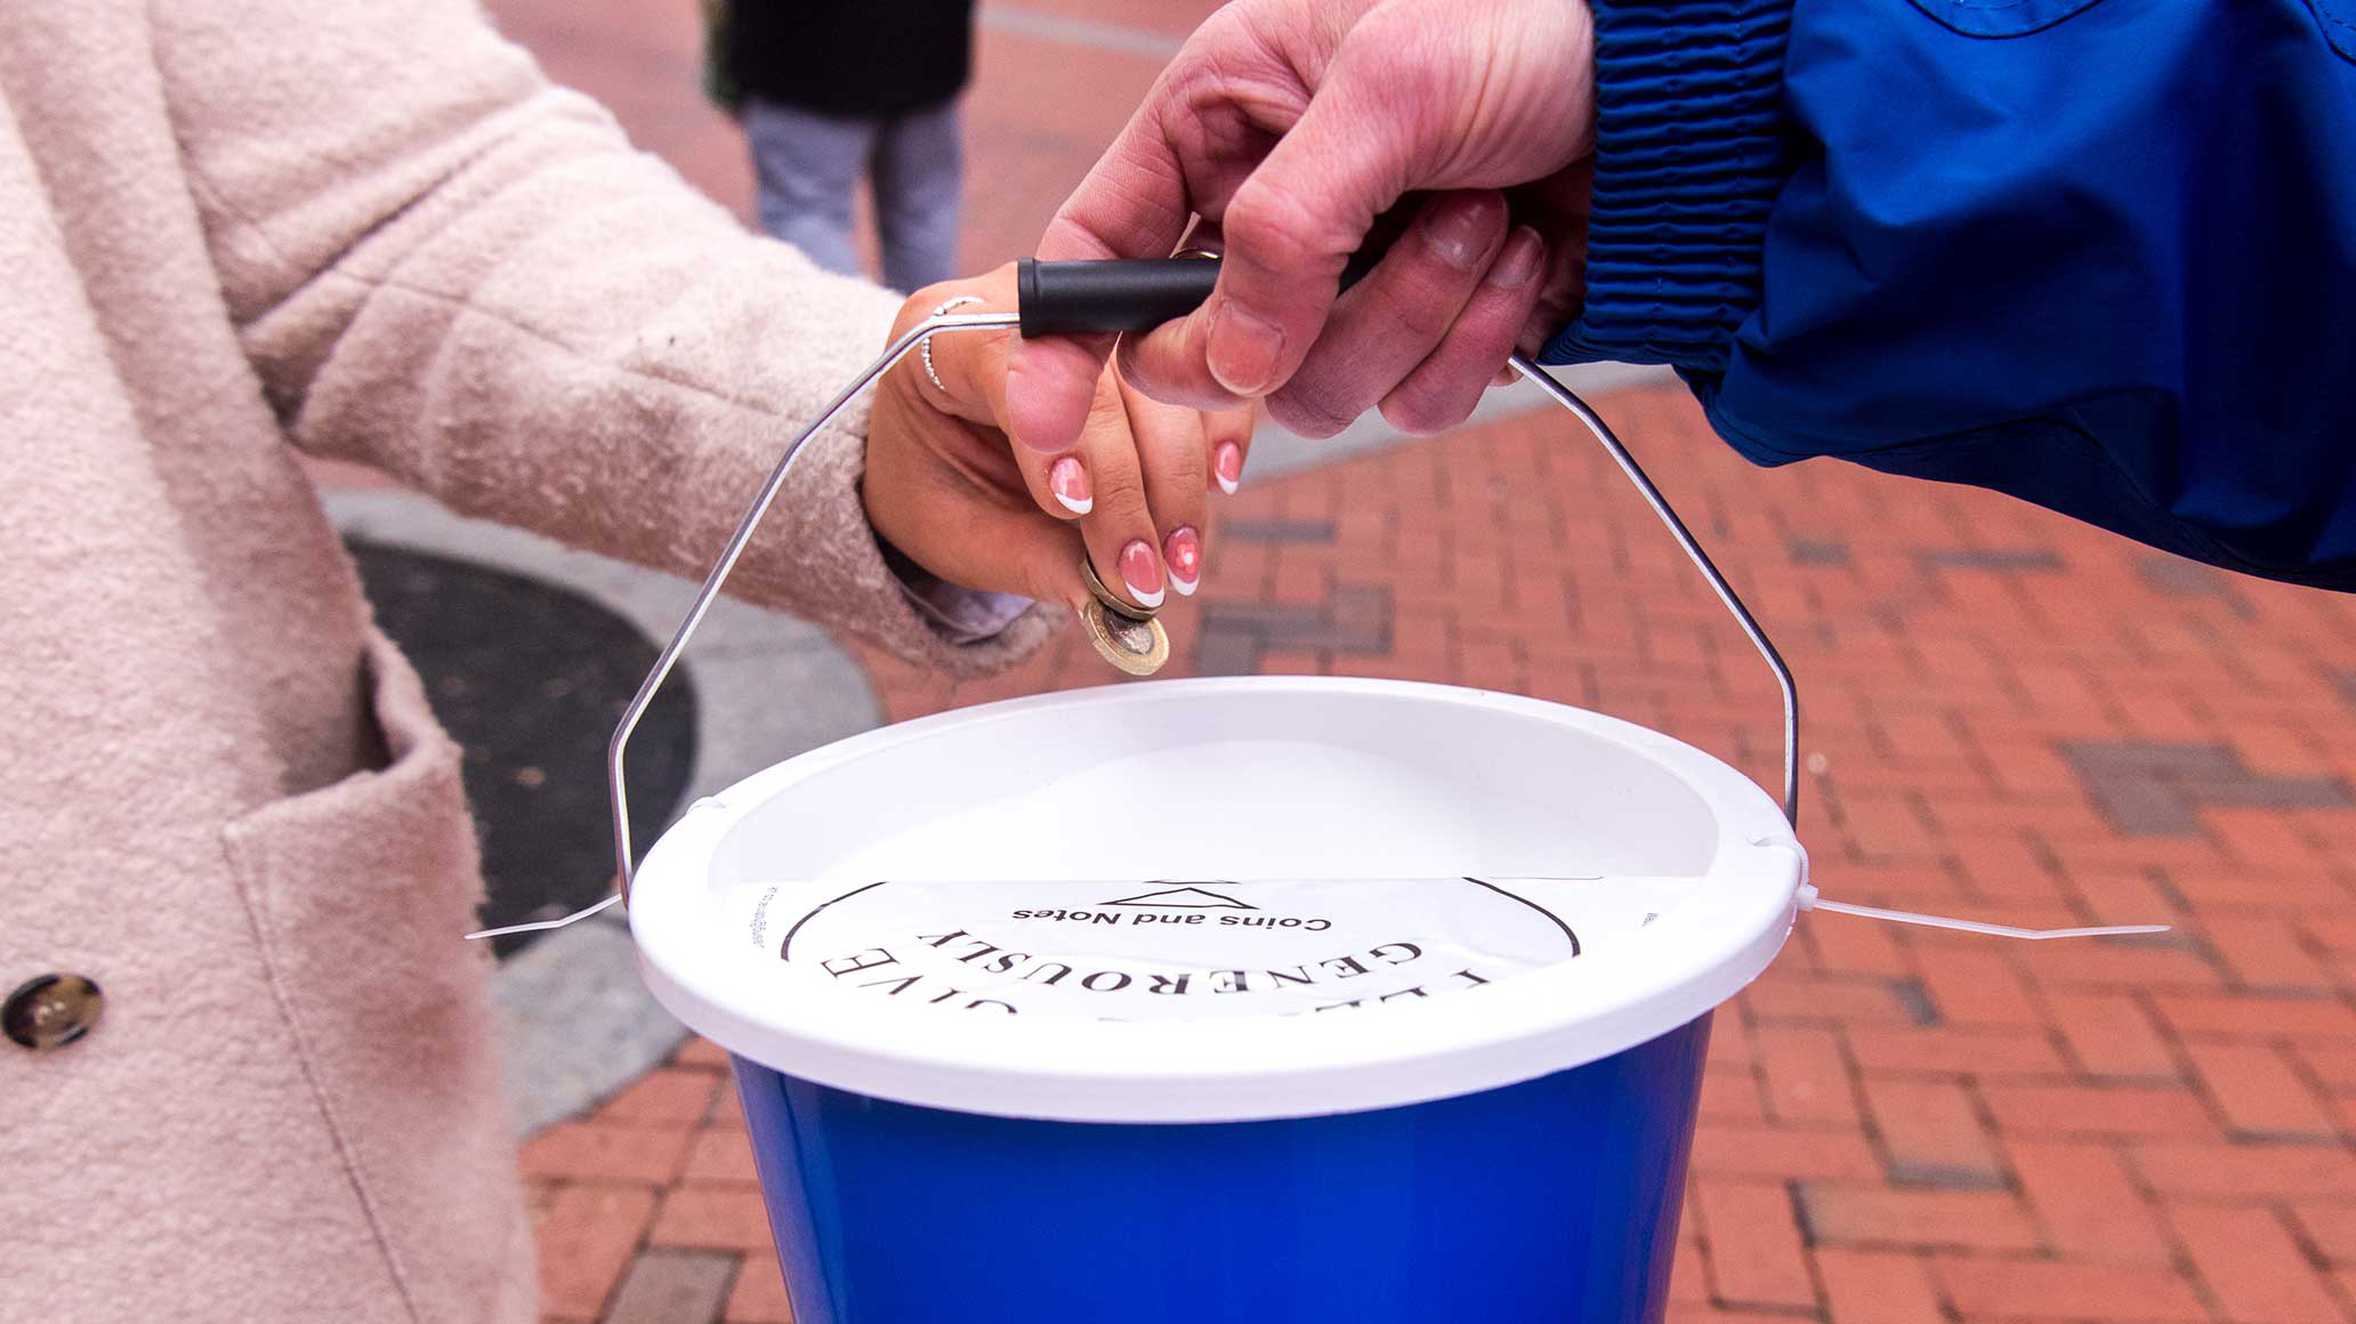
530	678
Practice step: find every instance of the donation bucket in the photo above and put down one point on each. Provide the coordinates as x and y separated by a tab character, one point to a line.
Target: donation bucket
1263	998
1298	998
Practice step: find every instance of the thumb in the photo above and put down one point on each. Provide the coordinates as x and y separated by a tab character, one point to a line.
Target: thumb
1294	224
1133	203
1050	384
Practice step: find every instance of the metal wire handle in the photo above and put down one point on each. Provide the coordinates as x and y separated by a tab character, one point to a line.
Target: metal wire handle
625	866
1604	436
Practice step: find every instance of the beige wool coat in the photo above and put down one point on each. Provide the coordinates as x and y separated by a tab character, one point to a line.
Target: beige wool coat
367	229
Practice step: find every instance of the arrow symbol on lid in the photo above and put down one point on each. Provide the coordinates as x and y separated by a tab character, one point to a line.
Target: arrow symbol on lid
1183	898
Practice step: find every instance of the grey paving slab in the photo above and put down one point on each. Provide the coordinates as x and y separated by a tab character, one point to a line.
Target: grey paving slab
2153	788
673	1287
1355	618
1278	530
2178	577
578	1023
1117	38
2014	560
773	685
1818	551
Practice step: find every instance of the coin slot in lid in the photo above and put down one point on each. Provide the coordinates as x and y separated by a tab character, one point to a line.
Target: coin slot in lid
1267	782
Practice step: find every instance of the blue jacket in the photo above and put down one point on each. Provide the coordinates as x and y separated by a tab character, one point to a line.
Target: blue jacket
2099	254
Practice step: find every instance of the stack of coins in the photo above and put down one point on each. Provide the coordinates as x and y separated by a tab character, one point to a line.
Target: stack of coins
1124	633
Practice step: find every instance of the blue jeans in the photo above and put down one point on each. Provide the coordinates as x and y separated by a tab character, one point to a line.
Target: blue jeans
809	166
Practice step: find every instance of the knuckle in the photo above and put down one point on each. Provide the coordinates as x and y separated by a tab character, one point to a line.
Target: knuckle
1403	54
911	313
1121	507
1385	54
1108	416
1277	225
1180	505
1304	413
1422	314
1422	413
1179	473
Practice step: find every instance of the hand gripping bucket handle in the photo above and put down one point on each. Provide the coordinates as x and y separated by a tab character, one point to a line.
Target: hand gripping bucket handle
1063	298
1066	298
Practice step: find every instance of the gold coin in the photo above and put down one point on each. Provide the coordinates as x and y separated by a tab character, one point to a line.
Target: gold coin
1126	636
1139	647
1112	603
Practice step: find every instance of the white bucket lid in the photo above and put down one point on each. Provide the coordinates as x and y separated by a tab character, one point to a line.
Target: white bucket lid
1216	900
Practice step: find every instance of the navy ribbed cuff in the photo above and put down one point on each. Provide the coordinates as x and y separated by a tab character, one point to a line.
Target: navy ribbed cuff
1689	155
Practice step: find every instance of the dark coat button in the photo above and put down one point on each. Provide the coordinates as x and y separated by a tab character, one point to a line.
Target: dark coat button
51	1011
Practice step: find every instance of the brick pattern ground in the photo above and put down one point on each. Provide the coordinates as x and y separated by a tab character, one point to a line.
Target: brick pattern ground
2008	716
1897	1125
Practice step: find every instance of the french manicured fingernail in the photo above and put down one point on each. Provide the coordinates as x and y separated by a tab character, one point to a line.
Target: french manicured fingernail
1227	466
1457	231
1068	479
1183	549
1244	348
1141	570
1518	264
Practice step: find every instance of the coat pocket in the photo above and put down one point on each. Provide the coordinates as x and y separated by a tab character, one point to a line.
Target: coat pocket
2001	18
359	892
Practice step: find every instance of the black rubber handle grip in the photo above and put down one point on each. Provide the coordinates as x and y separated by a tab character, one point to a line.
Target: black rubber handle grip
1068	298
1135	294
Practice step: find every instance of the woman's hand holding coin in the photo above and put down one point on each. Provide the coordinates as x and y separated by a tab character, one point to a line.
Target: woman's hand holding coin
951	489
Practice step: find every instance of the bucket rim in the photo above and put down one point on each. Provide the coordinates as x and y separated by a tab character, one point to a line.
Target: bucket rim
1068	1069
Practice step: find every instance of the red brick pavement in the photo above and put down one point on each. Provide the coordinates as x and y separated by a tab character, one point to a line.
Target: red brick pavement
1898	1125
2008	716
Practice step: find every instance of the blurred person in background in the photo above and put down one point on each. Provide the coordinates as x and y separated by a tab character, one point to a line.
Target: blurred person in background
831	92
247	1068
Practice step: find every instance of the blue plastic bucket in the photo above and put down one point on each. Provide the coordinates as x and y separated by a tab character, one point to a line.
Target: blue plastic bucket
1283	998
1554	1199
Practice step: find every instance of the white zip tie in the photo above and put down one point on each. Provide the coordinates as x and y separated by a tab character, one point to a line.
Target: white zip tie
1810	899
541	925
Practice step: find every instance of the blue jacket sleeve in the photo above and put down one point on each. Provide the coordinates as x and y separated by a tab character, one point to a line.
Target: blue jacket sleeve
2099	254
